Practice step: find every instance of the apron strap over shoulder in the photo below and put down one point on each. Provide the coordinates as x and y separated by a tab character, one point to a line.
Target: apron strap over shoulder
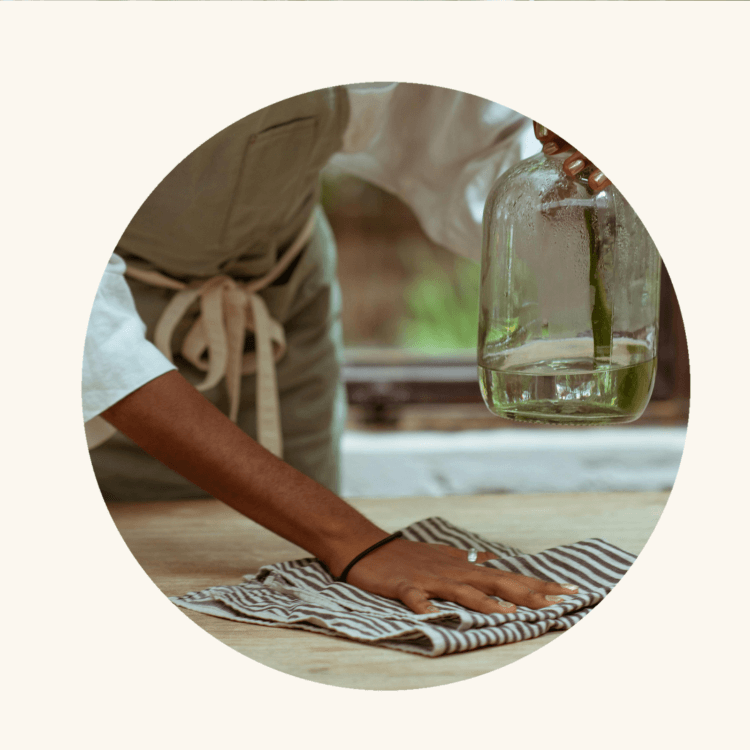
215	343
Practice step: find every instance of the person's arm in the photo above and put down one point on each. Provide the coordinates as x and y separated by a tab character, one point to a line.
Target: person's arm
175	424
170	420
441	151
438	150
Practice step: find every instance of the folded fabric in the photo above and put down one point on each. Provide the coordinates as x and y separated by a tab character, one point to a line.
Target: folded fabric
302	594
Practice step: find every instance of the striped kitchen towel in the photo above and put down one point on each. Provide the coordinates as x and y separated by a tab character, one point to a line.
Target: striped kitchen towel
302	594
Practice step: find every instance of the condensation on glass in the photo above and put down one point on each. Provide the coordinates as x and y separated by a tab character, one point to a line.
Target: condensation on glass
569	302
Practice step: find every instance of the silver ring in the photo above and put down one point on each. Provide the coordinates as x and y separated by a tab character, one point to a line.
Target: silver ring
473	554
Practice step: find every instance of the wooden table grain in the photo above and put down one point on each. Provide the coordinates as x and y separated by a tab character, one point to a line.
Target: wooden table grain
193	544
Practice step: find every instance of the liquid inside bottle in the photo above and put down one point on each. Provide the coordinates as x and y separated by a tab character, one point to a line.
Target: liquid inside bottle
560	381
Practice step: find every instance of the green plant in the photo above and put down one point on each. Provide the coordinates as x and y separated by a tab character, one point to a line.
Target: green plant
442	305
601	313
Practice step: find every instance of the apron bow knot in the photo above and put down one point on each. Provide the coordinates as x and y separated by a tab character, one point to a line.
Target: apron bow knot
215	342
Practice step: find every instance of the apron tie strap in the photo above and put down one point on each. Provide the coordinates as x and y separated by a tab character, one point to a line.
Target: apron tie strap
215	342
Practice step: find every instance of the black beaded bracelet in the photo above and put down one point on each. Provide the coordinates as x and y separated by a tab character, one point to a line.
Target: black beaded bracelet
342	577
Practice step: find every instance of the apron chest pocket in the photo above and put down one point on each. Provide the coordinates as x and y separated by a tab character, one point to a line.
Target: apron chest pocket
275	163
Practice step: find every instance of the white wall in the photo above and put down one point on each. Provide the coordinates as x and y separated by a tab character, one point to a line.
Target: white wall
541	460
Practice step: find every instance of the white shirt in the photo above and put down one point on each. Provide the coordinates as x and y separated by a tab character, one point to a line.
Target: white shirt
439	150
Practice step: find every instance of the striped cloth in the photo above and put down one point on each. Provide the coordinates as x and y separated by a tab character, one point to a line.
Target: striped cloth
302	594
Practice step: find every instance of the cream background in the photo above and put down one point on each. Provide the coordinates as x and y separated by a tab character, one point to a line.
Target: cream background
100	101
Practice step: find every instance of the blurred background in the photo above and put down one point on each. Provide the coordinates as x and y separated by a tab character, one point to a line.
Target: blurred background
417	424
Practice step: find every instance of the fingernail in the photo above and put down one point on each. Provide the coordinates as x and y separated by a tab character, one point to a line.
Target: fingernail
550	148
507	605
541	131
597	177
569	586
552	598
575	166
432	609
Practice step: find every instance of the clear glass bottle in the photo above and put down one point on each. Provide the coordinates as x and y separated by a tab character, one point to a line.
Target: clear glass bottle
569	301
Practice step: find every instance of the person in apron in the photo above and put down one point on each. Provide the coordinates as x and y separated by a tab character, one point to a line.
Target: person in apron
230	268
234	208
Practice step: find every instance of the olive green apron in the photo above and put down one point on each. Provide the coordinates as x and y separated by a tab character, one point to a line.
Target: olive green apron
233	209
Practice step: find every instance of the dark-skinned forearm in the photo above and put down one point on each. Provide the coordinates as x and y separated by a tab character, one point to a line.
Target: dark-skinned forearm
175	424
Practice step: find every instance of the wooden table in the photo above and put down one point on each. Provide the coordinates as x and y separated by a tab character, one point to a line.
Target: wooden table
191	545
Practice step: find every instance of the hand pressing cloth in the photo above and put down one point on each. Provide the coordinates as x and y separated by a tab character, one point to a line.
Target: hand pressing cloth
302	594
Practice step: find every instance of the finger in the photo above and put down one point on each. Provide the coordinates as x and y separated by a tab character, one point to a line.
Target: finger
555	146
540	132
472	598
574	164
545	135
540	586
551	142
519	593
416	600
597	180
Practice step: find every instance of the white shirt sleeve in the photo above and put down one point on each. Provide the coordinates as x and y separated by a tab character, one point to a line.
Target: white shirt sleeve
438	150
117	357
